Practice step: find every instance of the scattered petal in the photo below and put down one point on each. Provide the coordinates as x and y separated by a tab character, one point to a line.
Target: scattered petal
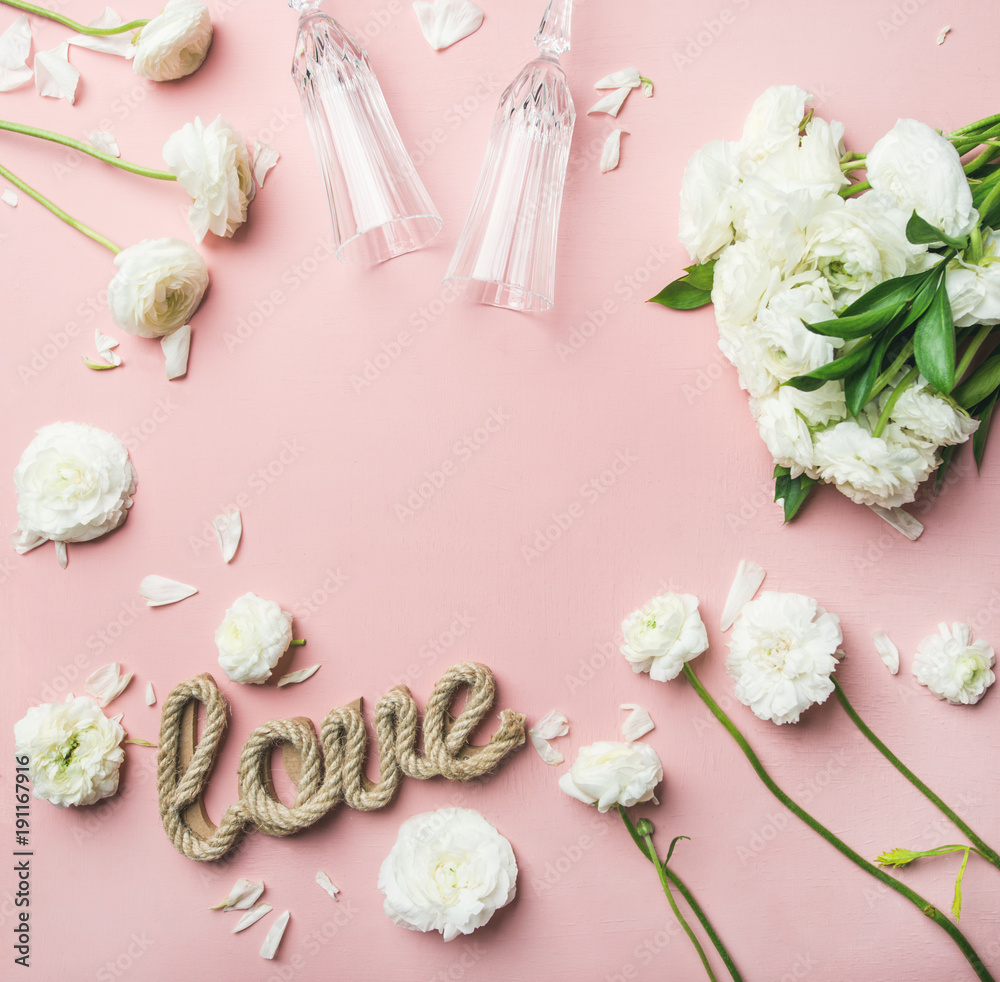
944	32
105	142
611	151
746	583
887	651
252	916
105	347
107	683
62	556
55	77
637	723
150	694
264	158
243	895
647	87
546	751
228	529
610	103
109	44
327	884
900	520
552	724
9	197
15	44
446	21
26	541
176	347
99	366
300	676
158	590
627	76
273	939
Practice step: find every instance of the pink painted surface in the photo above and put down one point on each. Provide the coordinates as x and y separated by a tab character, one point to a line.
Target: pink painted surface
621	451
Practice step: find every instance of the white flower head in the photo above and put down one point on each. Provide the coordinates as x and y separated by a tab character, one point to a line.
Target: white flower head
954	666
252	638
811	164
449	871
174	43
773	123
708	189
74	751
74	483
158	286
213	165
743	281
929	417
664	634
608	774
974	289
782	653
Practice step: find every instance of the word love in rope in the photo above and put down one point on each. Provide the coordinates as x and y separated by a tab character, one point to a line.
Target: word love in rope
325	769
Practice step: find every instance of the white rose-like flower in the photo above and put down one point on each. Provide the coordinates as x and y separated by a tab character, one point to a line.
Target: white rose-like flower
929	416
781	654
918	167
787	418
953	666
708	189
449	871
974	289
174	43
74	482
158	286
253	636
213	165
743	281
74	751
773	123
811	164
664	634
608	774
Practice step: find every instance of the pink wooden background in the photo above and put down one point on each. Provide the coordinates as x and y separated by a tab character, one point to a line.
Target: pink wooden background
320	397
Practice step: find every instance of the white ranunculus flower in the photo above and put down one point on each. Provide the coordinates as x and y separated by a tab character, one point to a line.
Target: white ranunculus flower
74	482
974	290
708	189
213	165
158	286
449	871
74	751
811	164
953	666
787	419
782	652
773	123
253	636
930	417
663	634
175	42
608	774
743	282
918	167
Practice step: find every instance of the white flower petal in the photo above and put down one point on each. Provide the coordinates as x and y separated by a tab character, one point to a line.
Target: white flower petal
264	158
242	896
446	21
107	683
15	44
150	694
228	529
273	939
55	77
159	590
611	151
610	103
252	916
627	76
327	884
9	197
887	651
300	676
105	142
746	583
23	542
176	347
943	33
900	520
105	346
647	88
552	724
546	751
637	723
62	556
109	44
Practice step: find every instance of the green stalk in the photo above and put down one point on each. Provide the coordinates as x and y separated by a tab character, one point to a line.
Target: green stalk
924	906
30	8
854	189
57	211
904	382
979	124
883	380
974	345
68	141
990	855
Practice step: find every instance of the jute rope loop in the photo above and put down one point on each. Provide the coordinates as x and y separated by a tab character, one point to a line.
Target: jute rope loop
325	769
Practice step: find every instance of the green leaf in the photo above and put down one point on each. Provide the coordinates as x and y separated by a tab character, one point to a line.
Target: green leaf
681	295
889	293
920	232
838	368
858	387
978	386
673	842
856	325
928	290
791	491
701	276
979	437
934	343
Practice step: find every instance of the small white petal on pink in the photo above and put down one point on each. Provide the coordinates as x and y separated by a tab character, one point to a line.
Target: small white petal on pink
327	884
109	44
900	520
228	530
55	77
15	45
9	197
273	939
612	151
105	142
300	676
611	103
446	21
107	683
629	77
252	916
887	651
159	590
746	583
150	694
638	722
264	158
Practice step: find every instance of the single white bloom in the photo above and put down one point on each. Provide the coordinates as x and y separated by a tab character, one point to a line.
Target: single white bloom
953	666
708	190
887	651
772	124
252	916
243	895
781	654
612	151
158	286
663	634
918	167
974	289
228	530
810	164
73	749
785	432
176	348
263	159
327	884
74	483
150	694
743	282
746	583
448	871
446	21
274	936
608	774
638	722
105	142
106	684
55	77
15	45
111	44
293	678
158	591
9	196
553	724
929	417
253	636
610	103
175	43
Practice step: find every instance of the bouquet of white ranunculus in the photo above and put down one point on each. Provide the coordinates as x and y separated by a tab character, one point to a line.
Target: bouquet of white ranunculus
853	312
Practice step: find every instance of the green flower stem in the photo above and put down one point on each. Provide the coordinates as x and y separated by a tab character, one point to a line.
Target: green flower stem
68	141
296	642
990	199
57	211
688	896
854	189
904	382
30	8
983	158
980	124
924	906
974	345
990	855
890	373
